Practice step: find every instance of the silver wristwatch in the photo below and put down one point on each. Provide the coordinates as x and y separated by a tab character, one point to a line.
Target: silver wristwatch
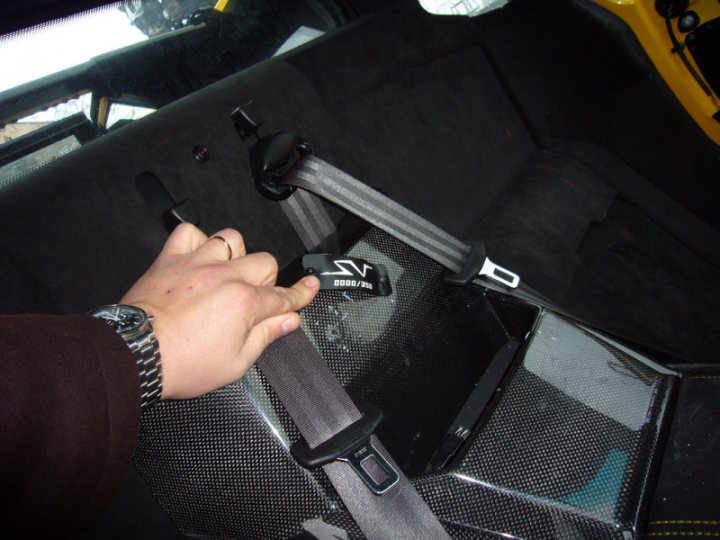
134	325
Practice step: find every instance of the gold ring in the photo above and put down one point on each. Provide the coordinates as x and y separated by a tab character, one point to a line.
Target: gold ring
225	243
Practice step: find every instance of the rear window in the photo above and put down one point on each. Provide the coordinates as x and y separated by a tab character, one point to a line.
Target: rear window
69	81
468	8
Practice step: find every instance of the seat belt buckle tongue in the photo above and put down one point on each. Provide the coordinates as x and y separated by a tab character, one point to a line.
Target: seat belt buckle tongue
353	445
477	263
499	274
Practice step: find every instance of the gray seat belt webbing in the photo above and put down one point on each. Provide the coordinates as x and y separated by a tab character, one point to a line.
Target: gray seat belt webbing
317	176
308	217
321	408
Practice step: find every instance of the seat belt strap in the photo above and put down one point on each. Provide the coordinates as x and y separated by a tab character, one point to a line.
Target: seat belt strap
314	175
269	157
338	437
308	217
282	162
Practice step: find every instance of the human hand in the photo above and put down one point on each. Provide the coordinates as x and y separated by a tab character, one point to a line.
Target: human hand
214	316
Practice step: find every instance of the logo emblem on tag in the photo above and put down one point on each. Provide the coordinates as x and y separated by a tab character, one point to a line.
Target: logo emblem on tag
339	272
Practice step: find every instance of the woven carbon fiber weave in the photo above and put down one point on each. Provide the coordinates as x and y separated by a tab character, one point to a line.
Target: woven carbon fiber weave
219	464
567	451
553	460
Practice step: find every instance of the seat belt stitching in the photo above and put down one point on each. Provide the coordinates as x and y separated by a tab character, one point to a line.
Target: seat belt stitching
304	227
347	188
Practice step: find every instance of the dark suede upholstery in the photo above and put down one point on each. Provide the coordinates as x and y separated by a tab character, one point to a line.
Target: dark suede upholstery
80	228
414	108
677	221
687	495
541	219
670	298
577	73
438	132
360	57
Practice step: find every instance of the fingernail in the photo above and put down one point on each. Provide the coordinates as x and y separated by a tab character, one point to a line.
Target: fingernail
288	325
311	282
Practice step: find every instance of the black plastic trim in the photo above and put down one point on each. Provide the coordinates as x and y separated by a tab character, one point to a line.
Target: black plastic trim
341	444
76	125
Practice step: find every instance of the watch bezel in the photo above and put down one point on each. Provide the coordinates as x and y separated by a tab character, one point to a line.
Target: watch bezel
138	330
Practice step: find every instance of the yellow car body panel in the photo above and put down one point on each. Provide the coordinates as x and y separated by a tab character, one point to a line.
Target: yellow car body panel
649	27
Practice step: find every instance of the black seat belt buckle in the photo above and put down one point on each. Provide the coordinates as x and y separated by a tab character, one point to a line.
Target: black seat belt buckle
353	445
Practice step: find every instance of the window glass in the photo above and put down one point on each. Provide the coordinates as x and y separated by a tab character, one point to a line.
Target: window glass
24	165
59	111
14	164
301	36
122	113
81	76
469	8
50	48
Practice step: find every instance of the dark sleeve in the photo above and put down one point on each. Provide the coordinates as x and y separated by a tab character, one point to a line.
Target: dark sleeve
69	421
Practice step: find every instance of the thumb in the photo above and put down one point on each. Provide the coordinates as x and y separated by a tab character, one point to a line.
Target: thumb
263	334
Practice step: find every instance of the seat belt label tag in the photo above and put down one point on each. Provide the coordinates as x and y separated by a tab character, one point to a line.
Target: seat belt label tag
340	272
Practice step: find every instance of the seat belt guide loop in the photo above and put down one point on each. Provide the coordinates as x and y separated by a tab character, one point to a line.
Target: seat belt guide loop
271	157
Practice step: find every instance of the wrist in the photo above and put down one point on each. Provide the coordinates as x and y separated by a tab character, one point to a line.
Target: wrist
135	326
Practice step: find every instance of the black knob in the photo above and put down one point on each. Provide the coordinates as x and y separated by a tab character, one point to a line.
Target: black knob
688	21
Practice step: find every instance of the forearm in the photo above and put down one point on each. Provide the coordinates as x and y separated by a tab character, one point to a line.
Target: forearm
69	417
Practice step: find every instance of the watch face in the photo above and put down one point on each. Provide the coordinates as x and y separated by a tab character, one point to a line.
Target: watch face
122	318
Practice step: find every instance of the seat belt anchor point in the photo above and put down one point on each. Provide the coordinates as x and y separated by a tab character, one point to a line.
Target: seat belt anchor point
245	125
271	157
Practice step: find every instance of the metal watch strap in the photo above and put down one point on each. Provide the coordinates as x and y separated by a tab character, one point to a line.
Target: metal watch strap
146	351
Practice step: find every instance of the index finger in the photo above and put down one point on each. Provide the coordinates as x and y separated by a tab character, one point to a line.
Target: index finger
278	300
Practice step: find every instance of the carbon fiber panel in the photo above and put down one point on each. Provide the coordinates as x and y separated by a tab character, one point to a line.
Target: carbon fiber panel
567	451
415	354
219	464
547	463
